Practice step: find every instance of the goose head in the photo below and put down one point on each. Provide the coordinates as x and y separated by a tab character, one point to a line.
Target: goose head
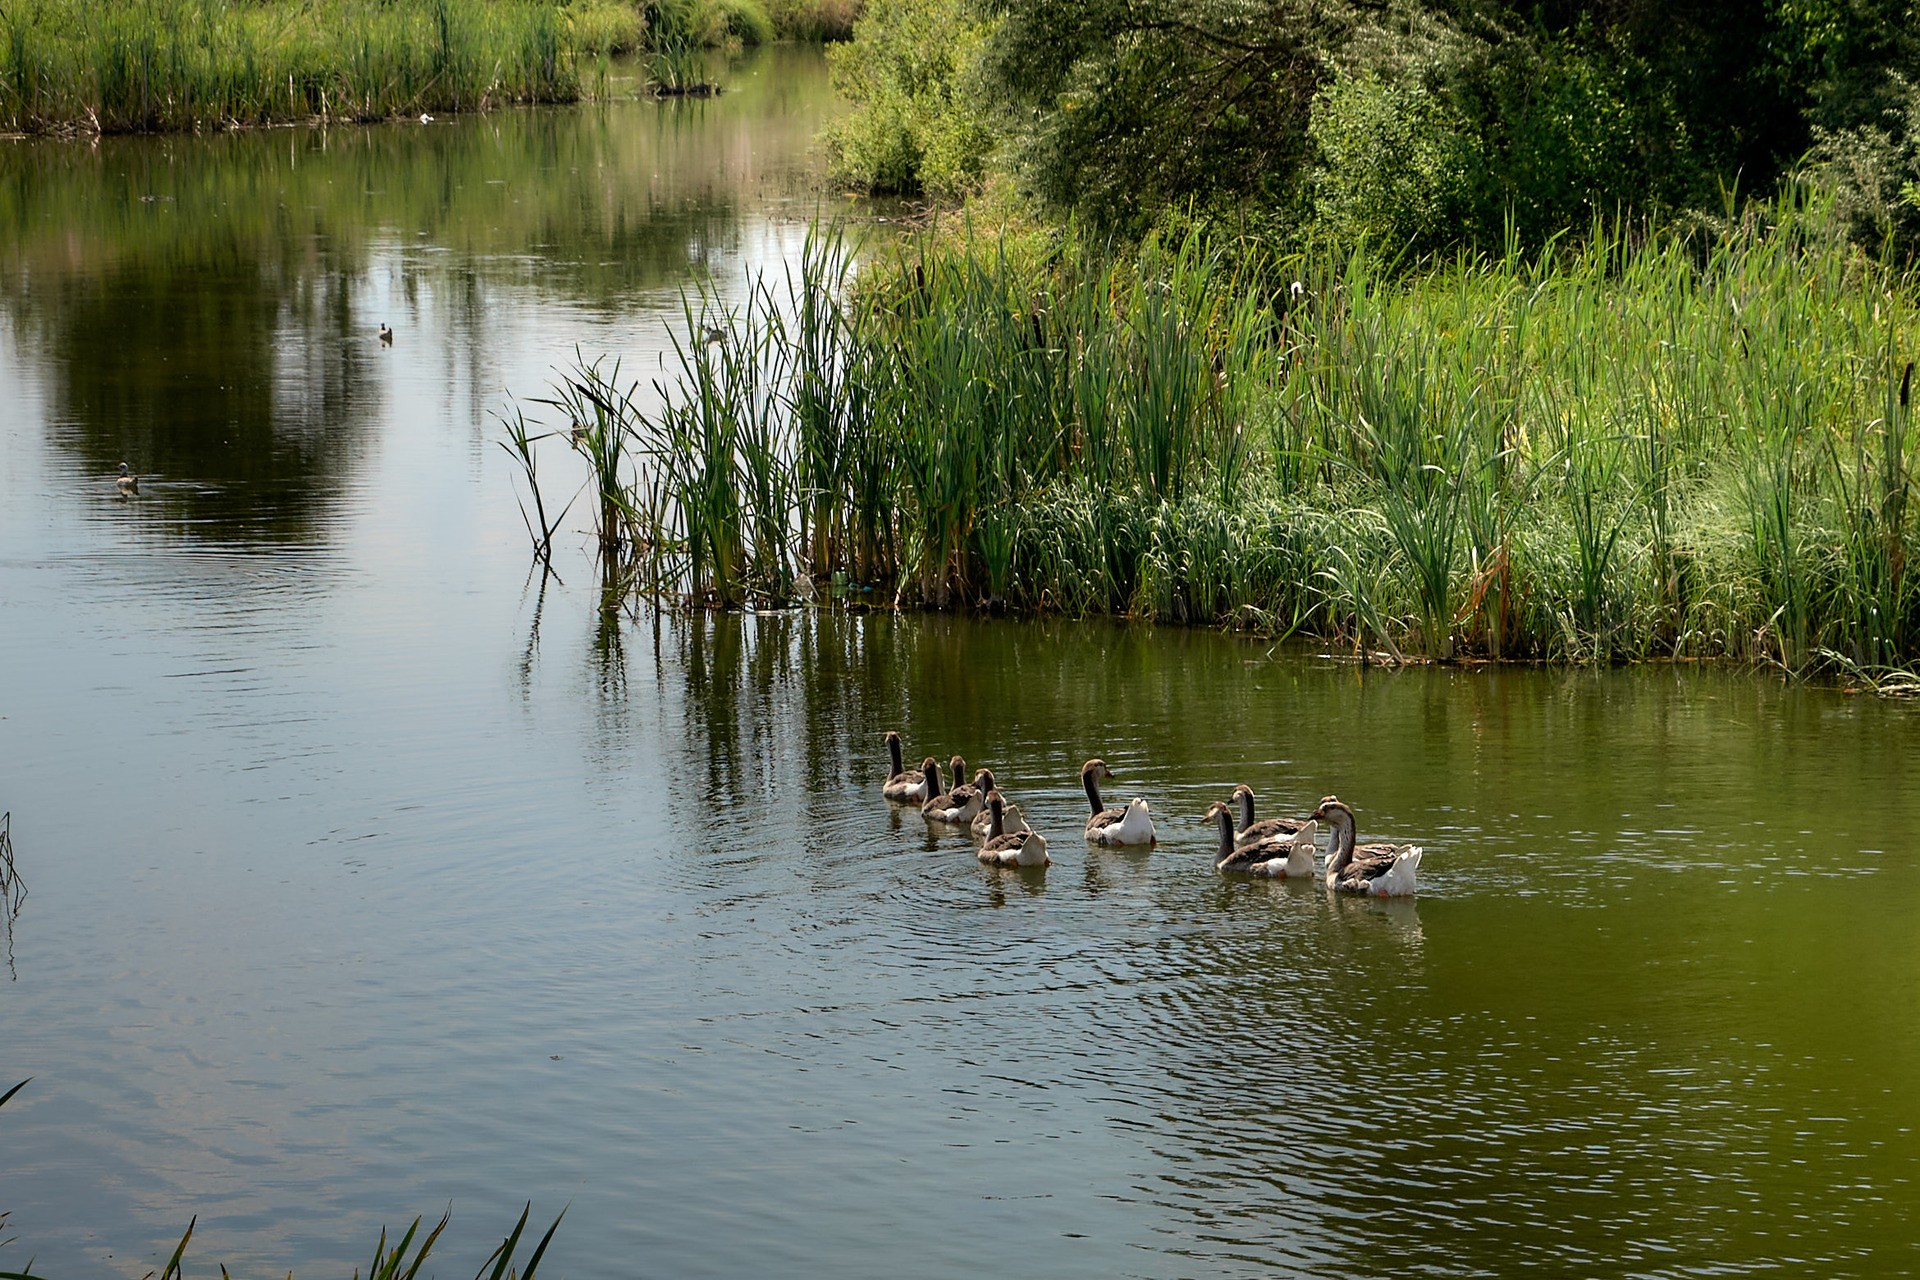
1334	812
1340	818
959	766
983	780
997	807
930	770
1097	771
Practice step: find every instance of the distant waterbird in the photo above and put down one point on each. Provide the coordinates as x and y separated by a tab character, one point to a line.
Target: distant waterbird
386	335
128	483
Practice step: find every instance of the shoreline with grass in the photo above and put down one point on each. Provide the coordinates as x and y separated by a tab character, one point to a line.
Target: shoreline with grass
180	65
1653	445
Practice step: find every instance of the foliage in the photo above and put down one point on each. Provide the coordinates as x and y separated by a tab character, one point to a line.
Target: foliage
183	64
1420	123
1652	444
816	20
1119	108
918	122
1874	170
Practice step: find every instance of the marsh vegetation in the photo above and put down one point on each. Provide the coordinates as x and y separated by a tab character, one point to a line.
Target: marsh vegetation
1635	447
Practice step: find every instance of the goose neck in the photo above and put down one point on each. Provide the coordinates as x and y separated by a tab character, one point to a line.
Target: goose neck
1340	852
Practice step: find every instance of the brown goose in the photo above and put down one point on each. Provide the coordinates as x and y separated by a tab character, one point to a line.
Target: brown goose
1251	832
1131	825
1014	821
1019	849
903	787
958	805
1384	870
1281	856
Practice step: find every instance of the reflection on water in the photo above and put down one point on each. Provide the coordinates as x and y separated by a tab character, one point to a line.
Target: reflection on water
206	308
422	880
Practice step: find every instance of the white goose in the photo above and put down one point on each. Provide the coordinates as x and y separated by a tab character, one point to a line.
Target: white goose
1284	857
1249	832
903	787
960	804
1131	825
1383	870
983	821
1011	849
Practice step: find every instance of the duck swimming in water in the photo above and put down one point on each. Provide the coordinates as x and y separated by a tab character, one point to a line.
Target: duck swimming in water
1015	849
958	805
1012	822
1131	825
901	786
386	335
1249	832
1383	870
1285	857
128	482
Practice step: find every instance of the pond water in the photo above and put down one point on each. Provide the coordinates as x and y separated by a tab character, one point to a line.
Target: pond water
369	876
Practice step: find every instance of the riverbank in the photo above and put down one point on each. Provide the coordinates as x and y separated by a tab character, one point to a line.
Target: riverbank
1652	446
179	65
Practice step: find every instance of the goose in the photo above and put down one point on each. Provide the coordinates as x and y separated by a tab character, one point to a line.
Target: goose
128	482
386	335
958	805
1130	825
1014	821
1018	849
1384	870
901	786
1250	832
1286	857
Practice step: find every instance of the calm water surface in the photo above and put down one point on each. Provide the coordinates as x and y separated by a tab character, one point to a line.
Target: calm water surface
368	877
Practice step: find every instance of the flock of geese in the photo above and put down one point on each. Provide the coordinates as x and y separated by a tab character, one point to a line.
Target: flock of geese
1279	847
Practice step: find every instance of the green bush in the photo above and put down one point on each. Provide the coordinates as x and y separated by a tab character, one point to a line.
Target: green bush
1874	173
815	20
912	74
1394	164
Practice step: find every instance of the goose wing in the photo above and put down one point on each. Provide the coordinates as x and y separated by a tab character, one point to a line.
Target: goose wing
1105	818
1252	855
1004	848
1371	861
1270	829
904	786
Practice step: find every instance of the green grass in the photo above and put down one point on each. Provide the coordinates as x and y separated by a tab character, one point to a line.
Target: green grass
1644	446
149	65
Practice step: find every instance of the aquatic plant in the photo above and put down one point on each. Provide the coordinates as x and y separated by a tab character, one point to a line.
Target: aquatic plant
182	64
1646	444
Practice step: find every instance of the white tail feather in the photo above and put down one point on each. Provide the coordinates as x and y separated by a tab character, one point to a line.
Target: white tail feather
1397	880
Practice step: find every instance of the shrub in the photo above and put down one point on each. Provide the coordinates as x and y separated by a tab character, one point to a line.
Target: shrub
912	74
